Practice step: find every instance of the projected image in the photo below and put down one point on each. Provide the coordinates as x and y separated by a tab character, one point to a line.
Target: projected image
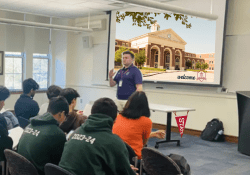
176	49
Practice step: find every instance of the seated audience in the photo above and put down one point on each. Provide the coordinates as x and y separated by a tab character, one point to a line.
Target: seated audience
53	91
25	106
5	141
74	119
42	140
93	149
133	124
9	117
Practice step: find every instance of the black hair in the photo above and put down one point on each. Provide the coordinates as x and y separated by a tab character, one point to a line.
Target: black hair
69	94
105	106
136	106
58	104
29	84
4	93
53	91
130	53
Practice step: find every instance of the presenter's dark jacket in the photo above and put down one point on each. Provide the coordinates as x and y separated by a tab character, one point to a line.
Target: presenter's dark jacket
42	141
94	150
26	107
130	77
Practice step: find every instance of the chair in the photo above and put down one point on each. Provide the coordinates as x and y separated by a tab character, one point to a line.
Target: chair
23	122
133	159
155	163
51	169
19	165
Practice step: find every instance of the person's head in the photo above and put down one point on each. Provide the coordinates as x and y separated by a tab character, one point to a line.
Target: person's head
70	95
4	94
30	86
105	106
127	58
53	91
136	106
59	108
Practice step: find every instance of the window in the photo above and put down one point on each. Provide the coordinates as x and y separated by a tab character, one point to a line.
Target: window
169	35
13	70
123	44
41	70
115	43
200	56
212	62
126	44
212	68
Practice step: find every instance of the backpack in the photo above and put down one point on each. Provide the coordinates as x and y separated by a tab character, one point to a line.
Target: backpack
214	131
182	163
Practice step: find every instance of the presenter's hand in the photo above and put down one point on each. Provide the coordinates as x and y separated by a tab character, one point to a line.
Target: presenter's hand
161	134
111	73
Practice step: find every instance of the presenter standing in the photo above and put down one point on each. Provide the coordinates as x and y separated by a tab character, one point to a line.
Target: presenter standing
128	79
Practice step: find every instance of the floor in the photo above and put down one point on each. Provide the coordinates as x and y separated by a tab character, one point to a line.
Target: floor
205	157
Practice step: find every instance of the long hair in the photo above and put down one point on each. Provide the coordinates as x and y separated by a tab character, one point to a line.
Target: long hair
136	106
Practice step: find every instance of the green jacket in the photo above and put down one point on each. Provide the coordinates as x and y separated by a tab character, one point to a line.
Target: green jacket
42	141
94	150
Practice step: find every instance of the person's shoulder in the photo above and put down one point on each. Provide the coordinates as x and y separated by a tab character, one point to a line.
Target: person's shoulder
145	119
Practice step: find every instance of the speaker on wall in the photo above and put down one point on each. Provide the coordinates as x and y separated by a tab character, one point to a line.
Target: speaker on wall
87	41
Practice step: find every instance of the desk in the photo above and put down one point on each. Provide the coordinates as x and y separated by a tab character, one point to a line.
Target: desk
168	110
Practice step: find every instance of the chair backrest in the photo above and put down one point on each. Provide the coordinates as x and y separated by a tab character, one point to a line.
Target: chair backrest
132	154
19	165
23	122
51	169
155	163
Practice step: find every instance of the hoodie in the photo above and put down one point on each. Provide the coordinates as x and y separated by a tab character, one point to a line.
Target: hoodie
94	150
42	141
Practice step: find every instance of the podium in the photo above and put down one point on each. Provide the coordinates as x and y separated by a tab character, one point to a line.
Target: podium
243	100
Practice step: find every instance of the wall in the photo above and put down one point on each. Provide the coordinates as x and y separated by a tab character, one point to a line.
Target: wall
33	40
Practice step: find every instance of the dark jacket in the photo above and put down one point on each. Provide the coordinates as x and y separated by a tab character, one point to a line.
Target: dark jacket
5	141
26	107
72	122
42	141
94	150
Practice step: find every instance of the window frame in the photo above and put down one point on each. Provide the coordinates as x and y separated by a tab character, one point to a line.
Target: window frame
42	56
22	56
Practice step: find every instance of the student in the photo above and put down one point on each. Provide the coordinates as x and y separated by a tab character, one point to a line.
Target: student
133	124
9	117
25	106
42	140
74	119
93	149
5	141
53	91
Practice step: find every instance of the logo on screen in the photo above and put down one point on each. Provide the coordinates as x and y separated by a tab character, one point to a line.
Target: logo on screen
201	76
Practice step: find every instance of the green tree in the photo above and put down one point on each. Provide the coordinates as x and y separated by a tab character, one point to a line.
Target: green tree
198	65
189	64
140	58
118	54
204	66
147	19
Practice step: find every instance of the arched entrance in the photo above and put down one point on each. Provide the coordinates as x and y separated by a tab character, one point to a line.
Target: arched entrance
155	57
178	61
167	61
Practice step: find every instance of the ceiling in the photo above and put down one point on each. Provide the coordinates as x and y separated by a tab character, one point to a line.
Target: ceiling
66	8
